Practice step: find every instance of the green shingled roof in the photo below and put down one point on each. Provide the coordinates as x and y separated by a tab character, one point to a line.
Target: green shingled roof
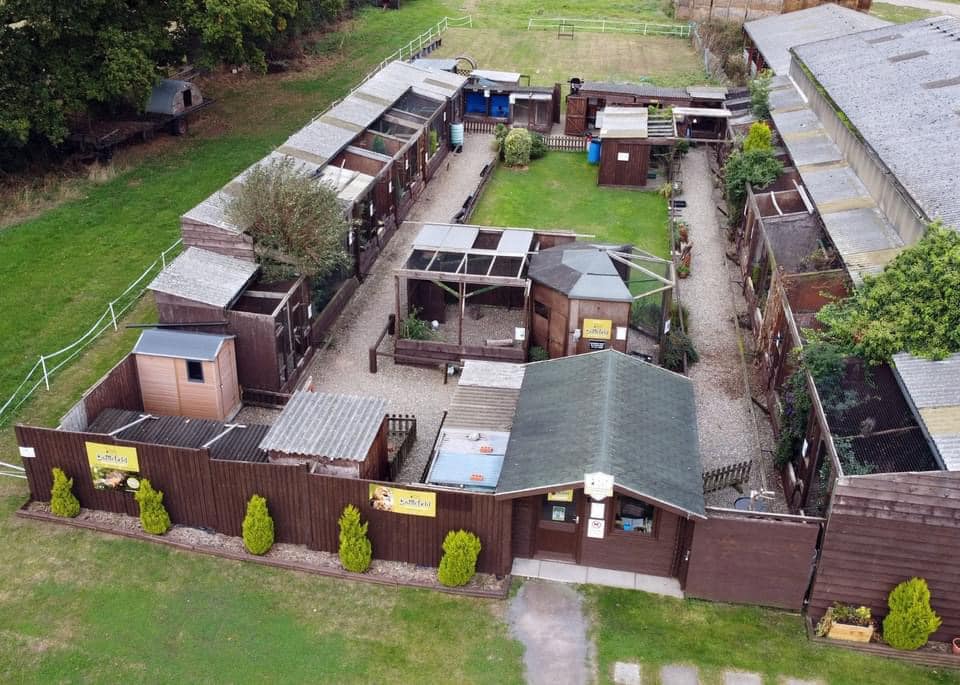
610	412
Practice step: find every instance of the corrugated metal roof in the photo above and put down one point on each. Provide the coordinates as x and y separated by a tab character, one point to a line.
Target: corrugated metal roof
608	412
902	99
934	389
164	94
774	36
435	63
204	276
325	425
445	237
238	444
496	76
639	90
163	342
622	122
491	374
580	271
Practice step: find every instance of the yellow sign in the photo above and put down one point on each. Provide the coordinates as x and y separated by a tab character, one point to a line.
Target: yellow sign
597	329
413	502
560	496
113	467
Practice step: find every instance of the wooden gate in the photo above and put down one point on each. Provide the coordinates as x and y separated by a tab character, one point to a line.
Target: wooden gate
576	123
752	558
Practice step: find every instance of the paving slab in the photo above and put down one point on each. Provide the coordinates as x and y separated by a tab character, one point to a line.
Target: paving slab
547	619
627	674
657	585
526	568
797	681
563	573
741	678
676	674
611	578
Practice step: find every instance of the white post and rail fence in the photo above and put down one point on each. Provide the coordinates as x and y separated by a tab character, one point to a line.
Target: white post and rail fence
643	28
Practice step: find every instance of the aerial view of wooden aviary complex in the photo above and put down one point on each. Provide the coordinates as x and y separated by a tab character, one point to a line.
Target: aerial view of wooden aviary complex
480	342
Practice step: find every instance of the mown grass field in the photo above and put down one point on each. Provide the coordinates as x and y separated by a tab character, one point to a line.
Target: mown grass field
898	14
560	191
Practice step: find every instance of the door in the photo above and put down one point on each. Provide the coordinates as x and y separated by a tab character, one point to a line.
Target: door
557	343
576	123
558	527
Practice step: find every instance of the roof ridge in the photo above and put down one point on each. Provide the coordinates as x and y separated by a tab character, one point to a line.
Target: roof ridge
606	402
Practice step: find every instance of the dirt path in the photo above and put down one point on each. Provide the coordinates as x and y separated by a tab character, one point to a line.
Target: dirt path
344	366
547	618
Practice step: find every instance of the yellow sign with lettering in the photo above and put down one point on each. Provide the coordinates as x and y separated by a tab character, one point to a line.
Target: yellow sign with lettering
597	329
560	496
412	502
113	467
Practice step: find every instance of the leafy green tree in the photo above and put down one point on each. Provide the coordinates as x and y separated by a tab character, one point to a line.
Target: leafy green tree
356	552
912	306
62	500
758	138
257	526
911	620
154	518
756	167
459	563
297	223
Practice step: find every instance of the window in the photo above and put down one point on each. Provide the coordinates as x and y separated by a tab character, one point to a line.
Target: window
558	511
540	309
194	371
633	516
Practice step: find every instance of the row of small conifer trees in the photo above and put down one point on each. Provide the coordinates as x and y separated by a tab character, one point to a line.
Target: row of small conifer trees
457	566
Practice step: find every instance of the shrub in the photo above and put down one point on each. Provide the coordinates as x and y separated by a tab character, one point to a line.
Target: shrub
355	548
62	500
153	515
538	146
911	620
516	147
415	328
759	138
500	132
257	526
757	167
760	95
537	354
675	345
459	563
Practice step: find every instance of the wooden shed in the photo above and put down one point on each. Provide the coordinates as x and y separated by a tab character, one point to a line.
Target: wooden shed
627	135
188	374
500	97
337	435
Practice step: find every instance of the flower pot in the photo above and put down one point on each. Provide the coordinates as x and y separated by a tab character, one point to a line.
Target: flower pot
956	645
843	631
684	233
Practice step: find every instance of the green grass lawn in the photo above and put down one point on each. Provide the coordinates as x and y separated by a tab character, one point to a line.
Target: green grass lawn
898	14
653	630
560	192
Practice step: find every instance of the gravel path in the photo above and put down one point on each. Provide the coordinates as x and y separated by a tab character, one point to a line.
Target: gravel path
343	367
728	431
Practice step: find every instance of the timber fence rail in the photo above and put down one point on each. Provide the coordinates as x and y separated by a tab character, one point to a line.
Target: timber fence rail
402	433
48	364
566	143
641	28
731	474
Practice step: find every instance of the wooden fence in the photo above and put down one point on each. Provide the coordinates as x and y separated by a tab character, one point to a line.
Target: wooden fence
213	493
480	125
732	474
566	143
401	434
466	211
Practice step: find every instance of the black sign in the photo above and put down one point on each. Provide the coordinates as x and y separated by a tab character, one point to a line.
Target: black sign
596	345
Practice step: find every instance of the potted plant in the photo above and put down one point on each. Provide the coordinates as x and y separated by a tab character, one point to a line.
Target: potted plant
683	232
683	270
846	622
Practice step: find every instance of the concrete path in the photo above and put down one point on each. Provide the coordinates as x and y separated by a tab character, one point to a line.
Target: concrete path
547	618
629	673
929	5
561	572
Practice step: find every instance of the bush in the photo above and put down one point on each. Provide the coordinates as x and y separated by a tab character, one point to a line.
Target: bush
538	146
153	515
355	548
538	354
911	620
760	95
516	147
759	138
500	132
415	328
257	526
62	500
459	563
675	345
757	167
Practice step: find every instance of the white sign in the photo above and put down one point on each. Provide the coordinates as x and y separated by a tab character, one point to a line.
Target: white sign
27	452
623	156
310	311
666	326
598	485
519	334
621	332
595	528
598	510
803	452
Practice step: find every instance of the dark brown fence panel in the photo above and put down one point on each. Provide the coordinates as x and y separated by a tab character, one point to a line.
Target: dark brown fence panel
119	389
752	560
184	477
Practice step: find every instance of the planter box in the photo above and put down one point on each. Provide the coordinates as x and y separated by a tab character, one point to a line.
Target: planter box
842	631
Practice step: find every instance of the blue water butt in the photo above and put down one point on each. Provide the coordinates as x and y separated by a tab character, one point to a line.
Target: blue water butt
593	151
456	134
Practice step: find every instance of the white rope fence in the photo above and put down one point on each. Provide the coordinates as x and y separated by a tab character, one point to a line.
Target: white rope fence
48	364
642	28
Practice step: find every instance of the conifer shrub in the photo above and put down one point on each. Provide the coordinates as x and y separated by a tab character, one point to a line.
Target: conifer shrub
516	147
459	563
355	548
257	526
538	146
760	137
911	620
154	518
62	500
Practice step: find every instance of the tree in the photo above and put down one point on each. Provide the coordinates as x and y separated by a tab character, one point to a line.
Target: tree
760	94
257	526
912	306
154	518
356	551
62	500
911	620
459	563
758	138
516	147
756	167
297	223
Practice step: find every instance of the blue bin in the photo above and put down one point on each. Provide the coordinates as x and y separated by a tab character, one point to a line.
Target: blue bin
593	151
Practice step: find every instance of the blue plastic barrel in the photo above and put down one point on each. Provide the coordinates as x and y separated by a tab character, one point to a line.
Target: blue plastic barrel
456	134
593	151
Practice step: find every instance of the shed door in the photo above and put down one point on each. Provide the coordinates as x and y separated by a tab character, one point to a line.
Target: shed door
557	343
558	528
576	123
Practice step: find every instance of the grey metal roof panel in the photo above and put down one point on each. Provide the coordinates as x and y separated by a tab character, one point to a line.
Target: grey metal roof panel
445	236
639	90
435	63
326	425
203	276
861	230
491	374
162	342
774	36
930	383
213	212
832	184
515	242
599	287
627	418
902	99
718	93
320	139
356	111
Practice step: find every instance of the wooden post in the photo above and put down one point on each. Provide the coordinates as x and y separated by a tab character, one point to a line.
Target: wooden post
463	301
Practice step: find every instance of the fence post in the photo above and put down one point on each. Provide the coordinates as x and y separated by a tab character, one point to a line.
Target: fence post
43	364
113	316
